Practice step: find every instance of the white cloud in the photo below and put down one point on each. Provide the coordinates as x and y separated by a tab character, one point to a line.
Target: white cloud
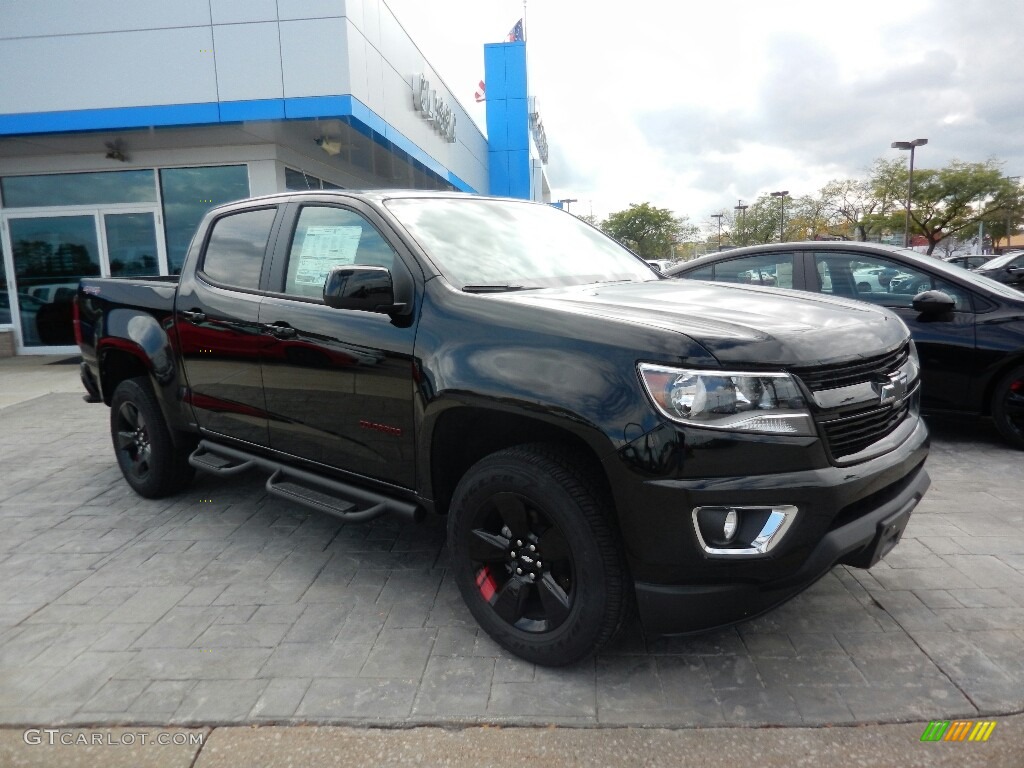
692	106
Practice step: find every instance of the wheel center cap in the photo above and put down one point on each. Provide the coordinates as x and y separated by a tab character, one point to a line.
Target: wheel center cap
525	559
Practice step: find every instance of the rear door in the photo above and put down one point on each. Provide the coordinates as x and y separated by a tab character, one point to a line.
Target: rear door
338	383
217	321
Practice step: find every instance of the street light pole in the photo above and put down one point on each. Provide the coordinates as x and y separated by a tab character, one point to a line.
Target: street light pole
742	218
719	217
1013	180
566	201
911	145
782	212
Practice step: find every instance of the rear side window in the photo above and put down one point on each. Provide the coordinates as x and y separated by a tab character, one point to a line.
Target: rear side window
704	273
237	245
762	269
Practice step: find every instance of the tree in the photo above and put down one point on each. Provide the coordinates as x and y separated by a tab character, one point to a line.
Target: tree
859	208
760	222
961	196
809	218
650	231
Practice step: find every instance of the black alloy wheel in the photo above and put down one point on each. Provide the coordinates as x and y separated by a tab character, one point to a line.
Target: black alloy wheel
152	463
132	441
536	555
1008	406
523	566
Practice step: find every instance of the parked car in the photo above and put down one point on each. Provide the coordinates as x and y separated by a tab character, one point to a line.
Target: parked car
969	329
871	278
969	261
598	436
1008	268
661	264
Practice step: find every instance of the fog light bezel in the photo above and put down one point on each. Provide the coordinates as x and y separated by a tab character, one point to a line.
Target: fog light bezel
778	518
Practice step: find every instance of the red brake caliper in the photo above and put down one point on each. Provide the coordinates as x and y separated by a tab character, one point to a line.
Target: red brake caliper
486	583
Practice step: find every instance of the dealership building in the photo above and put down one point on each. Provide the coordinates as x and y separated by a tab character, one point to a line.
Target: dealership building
121	124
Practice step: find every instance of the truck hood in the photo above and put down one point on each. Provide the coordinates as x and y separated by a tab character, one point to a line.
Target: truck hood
736	324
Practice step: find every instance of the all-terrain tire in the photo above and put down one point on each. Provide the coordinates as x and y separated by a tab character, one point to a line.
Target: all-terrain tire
149	459
536	555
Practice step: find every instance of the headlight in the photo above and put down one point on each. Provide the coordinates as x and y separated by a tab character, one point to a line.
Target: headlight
748	402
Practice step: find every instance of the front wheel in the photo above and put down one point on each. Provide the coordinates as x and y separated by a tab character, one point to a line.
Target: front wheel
1008	406
536	557
150	461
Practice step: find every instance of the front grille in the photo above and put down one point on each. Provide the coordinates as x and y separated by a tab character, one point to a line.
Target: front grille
849	433
819	377
853	434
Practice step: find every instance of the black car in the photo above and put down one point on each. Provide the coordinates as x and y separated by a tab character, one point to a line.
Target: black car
1008	268
969	330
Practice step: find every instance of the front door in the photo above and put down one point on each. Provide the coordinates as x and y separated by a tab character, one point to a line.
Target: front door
50	252
338	382
945	343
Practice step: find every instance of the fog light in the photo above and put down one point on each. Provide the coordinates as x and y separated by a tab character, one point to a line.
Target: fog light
742	531
730	525
718	525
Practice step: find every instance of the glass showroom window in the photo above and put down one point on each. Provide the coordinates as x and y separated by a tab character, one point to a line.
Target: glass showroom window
188	193
99	188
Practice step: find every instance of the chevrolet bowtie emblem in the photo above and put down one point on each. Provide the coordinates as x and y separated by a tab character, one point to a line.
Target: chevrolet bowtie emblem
895	389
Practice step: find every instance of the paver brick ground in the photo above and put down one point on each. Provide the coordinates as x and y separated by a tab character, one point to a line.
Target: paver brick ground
225	606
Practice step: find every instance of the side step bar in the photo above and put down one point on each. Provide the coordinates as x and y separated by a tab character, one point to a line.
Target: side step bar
348	502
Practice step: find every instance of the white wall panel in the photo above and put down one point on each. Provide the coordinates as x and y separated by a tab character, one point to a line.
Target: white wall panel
358	49
369	12
310	9
120	69
314	56
241	11
32	18
248	61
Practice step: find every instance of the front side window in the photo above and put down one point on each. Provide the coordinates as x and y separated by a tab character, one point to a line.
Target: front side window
879	280
237	245
327	237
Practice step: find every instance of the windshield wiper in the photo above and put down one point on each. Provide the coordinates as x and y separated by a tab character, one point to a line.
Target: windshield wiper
496	288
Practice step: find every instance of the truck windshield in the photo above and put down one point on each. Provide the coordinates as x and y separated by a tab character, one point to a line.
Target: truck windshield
516	245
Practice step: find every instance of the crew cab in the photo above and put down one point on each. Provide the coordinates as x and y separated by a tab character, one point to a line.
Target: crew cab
599	437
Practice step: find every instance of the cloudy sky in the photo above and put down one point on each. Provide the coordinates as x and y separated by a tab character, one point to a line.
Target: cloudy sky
693	106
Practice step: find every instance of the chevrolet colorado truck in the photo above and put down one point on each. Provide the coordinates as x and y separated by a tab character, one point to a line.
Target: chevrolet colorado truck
602	440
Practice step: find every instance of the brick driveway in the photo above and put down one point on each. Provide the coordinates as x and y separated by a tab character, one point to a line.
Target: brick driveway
224	606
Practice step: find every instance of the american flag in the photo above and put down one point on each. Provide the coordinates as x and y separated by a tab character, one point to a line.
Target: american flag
481	92
516	34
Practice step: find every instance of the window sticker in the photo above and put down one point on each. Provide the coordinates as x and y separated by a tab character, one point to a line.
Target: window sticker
323	248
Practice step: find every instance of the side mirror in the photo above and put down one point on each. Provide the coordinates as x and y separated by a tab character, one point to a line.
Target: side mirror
369	289
933	303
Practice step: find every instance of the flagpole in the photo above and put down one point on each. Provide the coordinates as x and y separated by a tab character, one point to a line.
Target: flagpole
524	21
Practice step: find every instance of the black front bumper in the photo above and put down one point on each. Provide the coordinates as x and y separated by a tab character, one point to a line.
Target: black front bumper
864	529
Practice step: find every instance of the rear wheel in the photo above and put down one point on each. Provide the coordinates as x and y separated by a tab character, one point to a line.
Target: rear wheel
535	555
150	461
1008	406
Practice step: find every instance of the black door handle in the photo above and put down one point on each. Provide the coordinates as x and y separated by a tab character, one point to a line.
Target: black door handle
281	330
194	316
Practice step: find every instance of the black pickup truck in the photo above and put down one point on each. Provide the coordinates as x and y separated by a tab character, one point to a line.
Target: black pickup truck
599	437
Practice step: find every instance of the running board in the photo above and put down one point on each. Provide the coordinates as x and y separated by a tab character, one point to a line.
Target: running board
347	502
